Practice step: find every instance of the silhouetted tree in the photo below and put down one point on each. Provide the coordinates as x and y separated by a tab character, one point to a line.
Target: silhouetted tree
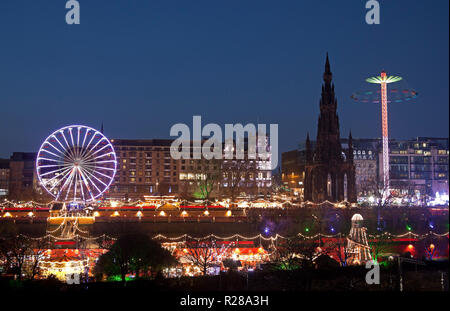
204	254
379	245
236	175
133	253
14	251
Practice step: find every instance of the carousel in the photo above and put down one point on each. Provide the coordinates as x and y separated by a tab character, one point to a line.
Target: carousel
64	266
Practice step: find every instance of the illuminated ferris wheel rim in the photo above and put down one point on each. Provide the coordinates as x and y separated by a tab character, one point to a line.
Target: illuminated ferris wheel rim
92	166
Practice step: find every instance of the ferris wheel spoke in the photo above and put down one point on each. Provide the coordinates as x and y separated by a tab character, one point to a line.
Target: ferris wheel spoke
54	147
87	146
87	157
56	138
75	186
78	136
68	182
99	141
90	150
103	155
84	139
83	178
99	180
97	170
69	148
106	161
53	165
104	175
54	177
81	188
40	159
75	151
71	136
106	168
65	139
69	179
64	148
90	180
64	169
49	152
48	159
61	179
105	146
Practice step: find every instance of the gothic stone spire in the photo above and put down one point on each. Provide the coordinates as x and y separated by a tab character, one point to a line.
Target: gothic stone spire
328	145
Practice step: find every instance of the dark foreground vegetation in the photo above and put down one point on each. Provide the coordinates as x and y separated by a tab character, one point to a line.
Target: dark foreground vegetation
432	277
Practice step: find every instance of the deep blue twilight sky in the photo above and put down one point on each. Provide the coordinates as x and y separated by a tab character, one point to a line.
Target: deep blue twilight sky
141	66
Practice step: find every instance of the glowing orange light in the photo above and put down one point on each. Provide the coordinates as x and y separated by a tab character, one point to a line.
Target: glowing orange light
431	246
410	246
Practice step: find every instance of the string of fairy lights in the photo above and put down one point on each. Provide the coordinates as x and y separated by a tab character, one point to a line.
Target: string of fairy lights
185	237
84	234
278	202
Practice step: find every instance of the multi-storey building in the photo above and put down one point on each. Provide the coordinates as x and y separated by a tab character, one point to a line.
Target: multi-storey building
420	164
365	159
22	176
293	171
145	167
251	177
4	177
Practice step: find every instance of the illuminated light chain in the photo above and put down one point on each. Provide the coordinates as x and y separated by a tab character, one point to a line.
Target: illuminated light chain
77	236
193	203
239	236
78	228
179	203
59	227
235	236
277	236
415	235
26	204
75	225
318	235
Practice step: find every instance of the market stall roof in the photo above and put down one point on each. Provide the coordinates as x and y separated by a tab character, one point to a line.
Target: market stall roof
167	207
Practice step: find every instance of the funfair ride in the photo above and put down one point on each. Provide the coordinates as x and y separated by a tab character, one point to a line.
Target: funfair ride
76	164
396	95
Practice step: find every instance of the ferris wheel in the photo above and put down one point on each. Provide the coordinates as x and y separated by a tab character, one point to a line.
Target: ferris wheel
76	164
